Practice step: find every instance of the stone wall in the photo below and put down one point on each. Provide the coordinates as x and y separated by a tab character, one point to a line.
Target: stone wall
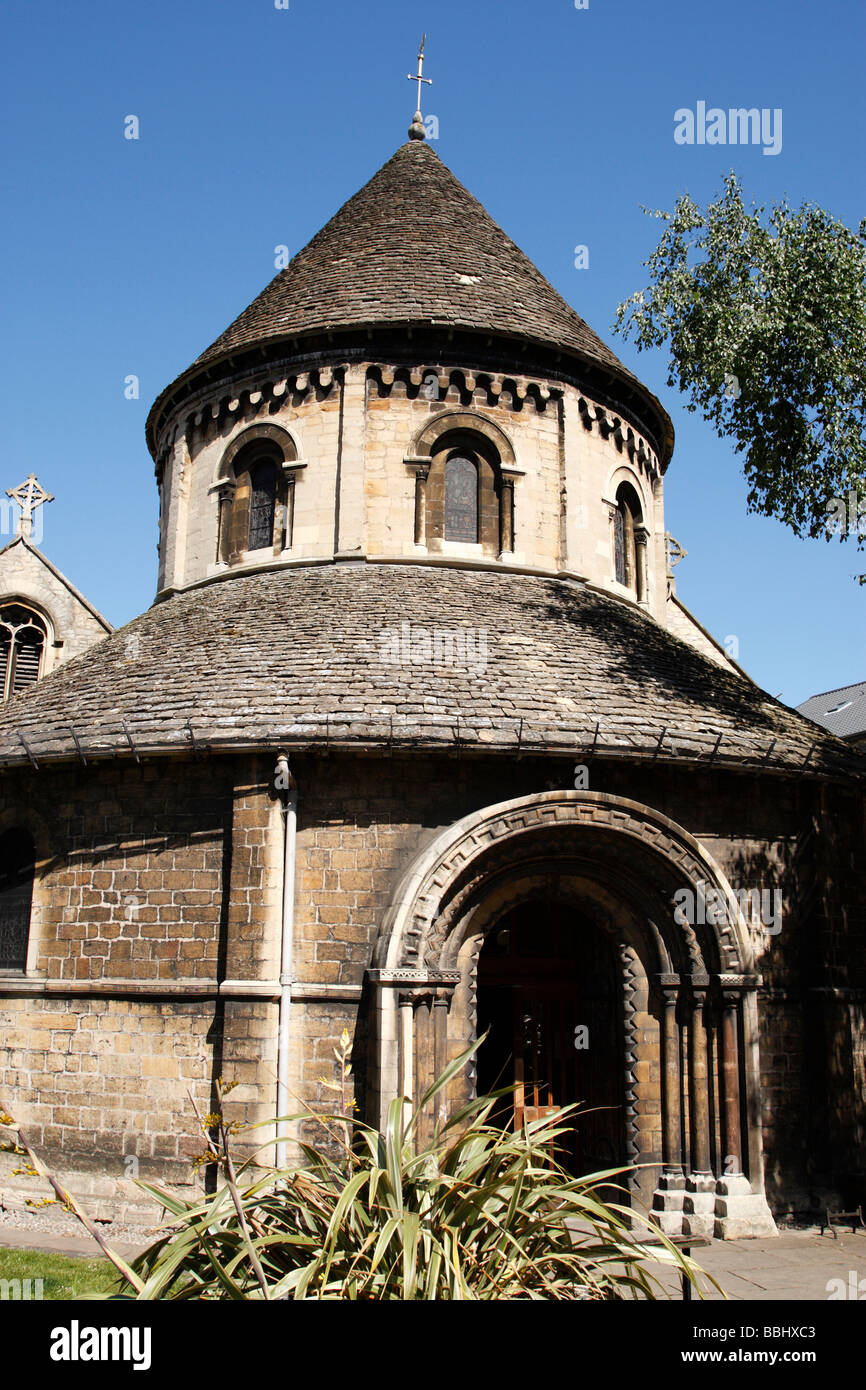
354	425
154	956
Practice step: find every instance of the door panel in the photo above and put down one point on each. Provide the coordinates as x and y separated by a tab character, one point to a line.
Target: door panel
543	973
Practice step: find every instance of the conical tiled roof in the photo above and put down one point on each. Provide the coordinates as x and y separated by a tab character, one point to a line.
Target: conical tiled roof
414	246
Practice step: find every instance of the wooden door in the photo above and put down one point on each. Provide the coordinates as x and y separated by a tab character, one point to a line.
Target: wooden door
543	975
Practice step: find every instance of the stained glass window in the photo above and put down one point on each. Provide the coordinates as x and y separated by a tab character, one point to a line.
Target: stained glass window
461	499
619	544
263	496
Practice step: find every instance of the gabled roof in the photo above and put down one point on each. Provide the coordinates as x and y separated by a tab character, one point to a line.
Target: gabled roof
359	654
842	711
58	574
413	246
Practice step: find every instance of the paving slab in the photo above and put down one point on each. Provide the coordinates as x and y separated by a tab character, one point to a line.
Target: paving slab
793	1266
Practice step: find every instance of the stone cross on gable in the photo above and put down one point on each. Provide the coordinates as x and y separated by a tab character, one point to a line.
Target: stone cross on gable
29	495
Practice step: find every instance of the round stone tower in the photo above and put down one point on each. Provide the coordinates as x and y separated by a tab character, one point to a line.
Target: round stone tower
410	389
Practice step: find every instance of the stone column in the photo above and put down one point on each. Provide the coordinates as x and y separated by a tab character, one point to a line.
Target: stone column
698	1084
611	531
733	1164
421	476
669	1194
225	496
740	1206
641	537
441	1005
699	1202
671	1088
506	516
292	469
406	1006
420	465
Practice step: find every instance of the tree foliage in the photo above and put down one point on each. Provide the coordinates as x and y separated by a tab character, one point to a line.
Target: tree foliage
766	319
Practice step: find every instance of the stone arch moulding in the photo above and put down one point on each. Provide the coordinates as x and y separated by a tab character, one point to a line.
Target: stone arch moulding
40	608
711	1003
622	473
275	434
451	420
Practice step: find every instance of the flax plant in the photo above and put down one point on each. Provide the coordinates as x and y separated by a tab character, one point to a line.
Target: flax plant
479	1212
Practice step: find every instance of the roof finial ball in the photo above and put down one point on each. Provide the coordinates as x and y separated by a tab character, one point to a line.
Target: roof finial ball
416	129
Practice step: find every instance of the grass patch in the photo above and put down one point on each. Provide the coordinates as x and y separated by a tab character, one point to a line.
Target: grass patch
63	1277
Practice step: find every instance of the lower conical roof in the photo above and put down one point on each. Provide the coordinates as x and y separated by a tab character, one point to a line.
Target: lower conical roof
361	654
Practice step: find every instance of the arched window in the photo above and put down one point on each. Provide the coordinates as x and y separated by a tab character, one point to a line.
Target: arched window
255	494
627	518
263	504
461	499
463	493
22	647
17	861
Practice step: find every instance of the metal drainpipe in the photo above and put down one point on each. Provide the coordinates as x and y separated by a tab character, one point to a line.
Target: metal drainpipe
285	782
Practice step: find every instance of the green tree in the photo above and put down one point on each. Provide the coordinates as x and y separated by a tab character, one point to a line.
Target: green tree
766	319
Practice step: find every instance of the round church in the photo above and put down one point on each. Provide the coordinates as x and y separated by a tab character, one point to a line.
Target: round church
418	741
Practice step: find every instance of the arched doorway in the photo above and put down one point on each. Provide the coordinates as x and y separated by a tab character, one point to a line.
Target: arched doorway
688	1022
548	997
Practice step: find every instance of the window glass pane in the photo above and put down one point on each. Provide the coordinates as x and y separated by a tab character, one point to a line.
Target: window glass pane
619	544
5	649
461	500
263	480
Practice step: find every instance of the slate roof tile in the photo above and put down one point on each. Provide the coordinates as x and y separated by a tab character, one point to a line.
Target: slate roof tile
311	664
413	245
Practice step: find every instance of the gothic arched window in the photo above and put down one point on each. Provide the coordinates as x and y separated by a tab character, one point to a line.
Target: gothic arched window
22	646
461	499
263	504
17	862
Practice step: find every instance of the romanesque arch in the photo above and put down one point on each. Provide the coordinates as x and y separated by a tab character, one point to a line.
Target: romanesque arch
468	438
255	492
689	1087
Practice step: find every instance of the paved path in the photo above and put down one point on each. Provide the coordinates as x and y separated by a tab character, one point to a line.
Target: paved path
82	1246
797	1265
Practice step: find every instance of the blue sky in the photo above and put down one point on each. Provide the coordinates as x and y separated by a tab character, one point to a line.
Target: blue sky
129	257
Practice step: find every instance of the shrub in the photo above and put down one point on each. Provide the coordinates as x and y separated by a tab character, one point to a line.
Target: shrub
477	1213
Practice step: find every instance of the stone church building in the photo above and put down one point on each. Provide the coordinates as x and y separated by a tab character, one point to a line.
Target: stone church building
417	740
44	619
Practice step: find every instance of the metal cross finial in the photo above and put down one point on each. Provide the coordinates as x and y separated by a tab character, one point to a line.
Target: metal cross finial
416	130
29	495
